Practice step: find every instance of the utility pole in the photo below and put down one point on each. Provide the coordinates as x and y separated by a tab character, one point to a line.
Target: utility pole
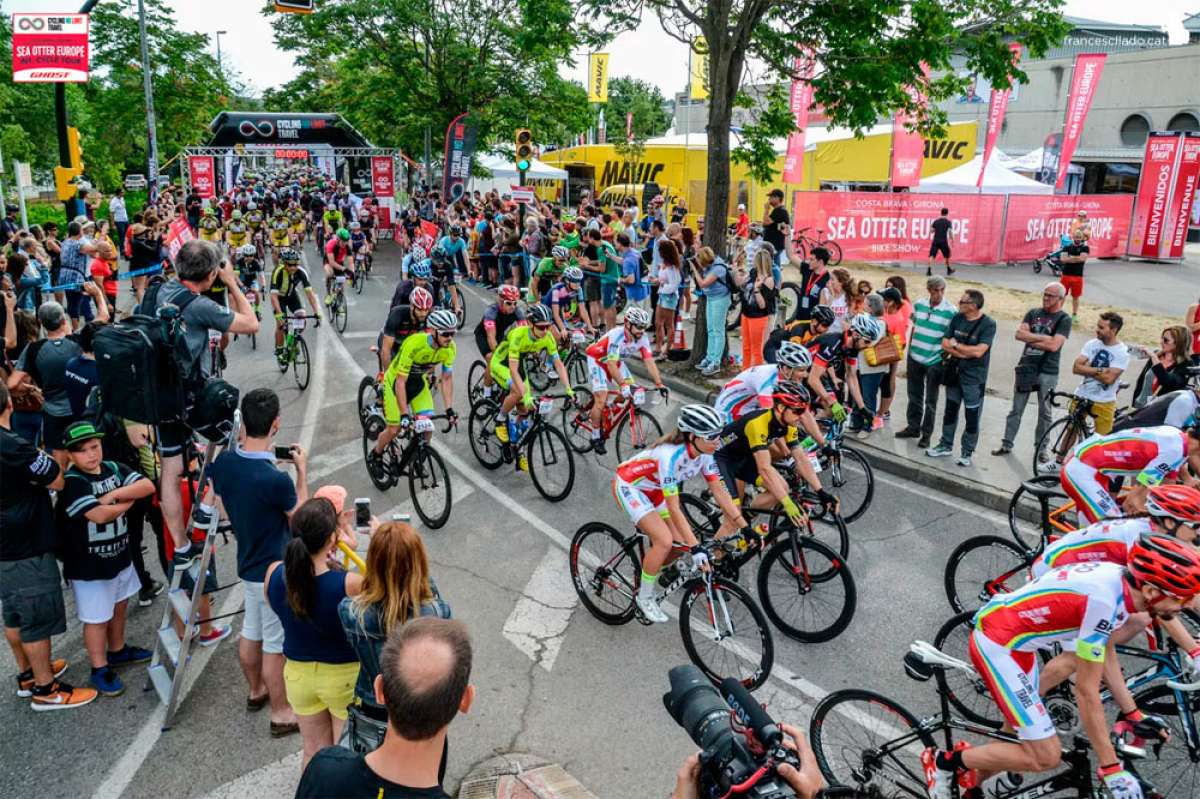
220	64
151	126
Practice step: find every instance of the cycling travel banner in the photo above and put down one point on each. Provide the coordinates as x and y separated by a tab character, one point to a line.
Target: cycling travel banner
1155	186
908	146
1035	224
382	176
800	100
1186	176
874	226
1084	80
200	168
460	147
50	48
996	111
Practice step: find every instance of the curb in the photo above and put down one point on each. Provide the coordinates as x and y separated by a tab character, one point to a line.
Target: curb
521	776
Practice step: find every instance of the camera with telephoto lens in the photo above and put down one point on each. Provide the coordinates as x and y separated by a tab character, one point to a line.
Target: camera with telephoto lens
740	744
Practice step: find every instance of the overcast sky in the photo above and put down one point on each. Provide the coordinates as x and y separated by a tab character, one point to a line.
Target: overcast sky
648	54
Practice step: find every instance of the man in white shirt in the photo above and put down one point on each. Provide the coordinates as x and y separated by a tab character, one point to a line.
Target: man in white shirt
1101	363
120	218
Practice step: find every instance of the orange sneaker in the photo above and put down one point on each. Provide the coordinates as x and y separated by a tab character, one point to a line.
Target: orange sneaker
62	697
25	684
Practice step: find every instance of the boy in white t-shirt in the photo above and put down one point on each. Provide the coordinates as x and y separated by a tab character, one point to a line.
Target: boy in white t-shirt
1101	363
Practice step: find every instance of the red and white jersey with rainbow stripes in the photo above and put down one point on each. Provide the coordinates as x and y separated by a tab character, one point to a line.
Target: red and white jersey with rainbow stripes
615	345
749	391
663	469
1151	453
1108	541
1078	606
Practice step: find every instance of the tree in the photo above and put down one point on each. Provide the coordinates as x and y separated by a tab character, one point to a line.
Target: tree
644	100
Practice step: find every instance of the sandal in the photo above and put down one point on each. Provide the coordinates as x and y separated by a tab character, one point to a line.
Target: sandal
253	704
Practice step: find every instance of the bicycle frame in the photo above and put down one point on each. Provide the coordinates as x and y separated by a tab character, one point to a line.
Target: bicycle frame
413	446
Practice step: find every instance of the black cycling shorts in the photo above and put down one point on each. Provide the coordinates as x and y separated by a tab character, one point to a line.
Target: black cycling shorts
733	469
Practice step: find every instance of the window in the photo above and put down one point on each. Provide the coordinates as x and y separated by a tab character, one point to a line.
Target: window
1134	130
1184	120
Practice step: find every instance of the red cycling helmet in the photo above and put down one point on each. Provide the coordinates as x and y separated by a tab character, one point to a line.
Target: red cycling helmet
1166	563
1174	502
791	394
420	299
509	293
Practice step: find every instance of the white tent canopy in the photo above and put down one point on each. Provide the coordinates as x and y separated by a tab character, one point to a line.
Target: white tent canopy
997	180
1030	162
505	176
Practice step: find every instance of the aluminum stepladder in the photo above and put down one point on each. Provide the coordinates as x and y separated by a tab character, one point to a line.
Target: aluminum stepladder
172	653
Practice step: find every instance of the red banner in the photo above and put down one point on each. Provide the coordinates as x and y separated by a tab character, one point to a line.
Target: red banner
800	100
996	110
200	168
1084	80
1150	220
908	147
178	234
1186	176
1035	224
876	226
382	178
50	48
629	127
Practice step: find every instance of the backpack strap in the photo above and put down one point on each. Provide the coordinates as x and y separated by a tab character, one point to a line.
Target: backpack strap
31	354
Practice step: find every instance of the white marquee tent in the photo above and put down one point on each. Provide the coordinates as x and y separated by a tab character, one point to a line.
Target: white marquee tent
504	173
997	180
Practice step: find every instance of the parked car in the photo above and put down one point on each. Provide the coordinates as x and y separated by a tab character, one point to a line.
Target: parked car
135	180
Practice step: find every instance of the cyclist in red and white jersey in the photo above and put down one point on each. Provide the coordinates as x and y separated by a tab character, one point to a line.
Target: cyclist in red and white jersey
1151	455
647	488
604	364
1079	607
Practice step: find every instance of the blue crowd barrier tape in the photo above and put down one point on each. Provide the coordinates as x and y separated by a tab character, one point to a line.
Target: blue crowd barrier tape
150	270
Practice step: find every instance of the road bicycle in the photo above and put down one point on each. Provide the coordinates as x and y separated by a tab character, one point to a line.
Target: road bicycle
804	244
445	299
338	310
851	478
1040	510
295	350
1060	438
362	270
864	740
983	566
410	455
538	445
635	428
541	372
723	630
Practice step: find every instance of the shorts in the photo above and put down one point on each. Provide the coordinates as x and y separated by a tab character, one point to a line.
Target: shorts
481	344
745	470
591	289
79	305
637	503
1104	413
95	600
445	277
1073	284
259	623
608	294
53	428
668	302
416	391
278	240
939	247
314	687
1012	678
601	377
1088	488
172	436
31	597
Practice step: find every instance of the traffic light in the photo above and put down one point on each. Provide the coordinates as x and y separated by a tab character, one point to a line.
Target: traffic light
65	176
523	149
75	149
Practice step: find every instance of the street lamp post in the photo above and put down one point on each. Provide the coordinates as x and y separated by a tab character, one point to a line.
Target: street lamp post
151	127
220	66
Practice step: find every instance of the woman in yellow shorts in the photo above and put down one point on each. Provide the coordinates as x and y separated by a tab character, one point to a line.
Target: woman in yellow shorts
322	667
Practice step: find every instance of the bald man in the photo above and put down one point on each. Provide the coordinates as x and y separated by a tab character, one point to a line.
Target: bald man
1044	330
424	682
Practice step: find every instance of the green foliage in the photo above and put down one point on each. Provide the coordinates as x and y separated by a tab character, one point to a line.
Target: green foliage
757	148
41	211
644	100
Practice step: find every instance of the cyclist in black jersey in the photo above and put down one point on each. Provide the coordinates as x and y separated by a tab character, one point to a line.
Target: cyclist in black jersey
286	283
403	321
835	356
1178	409
497	319
422	277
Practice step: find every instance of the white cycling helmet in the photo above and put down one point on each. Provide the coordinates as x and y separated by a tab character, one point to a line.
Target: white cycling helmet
248	251
442	320
573	274
703	420
637	317
868	327
559	251
793	355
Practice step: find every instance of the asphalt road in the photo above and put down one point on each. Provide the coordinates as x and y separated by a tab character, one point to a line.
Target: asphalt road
585	695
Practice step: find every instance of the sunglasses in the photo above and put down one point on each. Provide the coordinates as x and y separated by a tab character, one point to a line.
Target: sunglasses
638	328
508	303
541	328
444	334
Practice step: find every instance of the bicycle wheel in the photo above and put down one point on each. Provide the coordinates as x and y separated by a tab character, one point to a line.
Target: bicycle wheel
481	430
835	251
360	279
704	517
1175	771
533	367
577	369
725	635
301	367
381	477
967	693
808	594
341	312
577	420
852	481
832	532
546	453
1056	443
369	395
637	431
429	487
1024	506
981	567
475	381
787	303
864	740
606	572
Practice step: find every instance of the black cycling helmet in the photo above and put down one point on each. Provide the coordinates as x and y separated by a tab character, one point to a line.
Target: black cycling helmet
539	314
438	254
289	256
823	315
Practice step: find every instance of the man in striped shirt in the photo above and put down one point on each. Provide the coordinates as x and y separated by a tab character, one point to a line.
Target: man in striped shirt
930	319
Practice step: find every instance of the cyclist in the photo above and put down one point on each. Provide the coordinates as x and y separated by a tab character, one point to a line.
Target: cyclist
414	256
286	282
337	261
210	225
256	220
563	301
331	220
799	331
647	488
366	220
402	322
604	364
359	241
834	358
1078	606
280	229
745	455
421	277
248	267
237	231
550	269
407	380
1178	409
1151	455
505	365
455	247
498	319
443	274
296	223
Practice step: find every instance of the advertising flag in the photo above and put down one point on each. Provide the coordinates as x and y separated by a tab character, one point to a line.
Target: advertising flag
908	147
200	168
1150	212
698	69
178	234
460	147
799	101
996	110
1187	174
382	178
50	48
629	127
598	78
1084	80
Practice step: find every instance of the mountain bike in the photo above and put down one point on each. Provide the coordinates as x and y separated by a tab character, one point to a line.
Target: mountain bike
537	446
410	455
804	244
635	428
724	632
864	740
295	350
338	310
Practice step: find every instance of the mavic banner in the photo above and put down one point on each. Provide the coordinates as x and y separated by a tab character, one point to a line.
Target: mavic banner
460	147
1035	224
1084	80
996	111
598	78
698	69
50	48
799	101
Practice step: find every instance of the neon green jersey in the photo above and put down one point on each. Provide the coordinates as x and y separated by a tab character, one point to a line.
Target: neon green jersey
418	354
520	340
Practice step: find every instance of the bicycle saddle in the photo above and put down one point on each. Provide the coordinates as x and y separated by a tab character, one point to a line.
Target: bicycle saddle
1044	489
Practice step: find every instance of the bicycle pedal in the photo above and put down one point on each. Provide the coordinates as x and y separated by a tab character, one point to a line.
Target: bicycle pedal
641	618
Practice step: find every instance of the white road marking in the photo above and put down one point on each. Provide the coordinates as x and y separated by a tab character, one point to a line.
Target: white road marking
330	461
539	621
274	779
361	334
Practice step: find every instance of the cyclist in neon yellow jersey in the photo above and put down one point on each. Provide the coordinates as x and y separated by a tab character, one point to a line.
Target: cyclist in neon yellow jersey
506	363
407	379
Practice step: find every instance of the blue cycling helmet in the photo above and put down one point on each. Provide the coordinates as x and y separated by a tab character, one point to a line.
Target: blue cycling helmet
423	270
